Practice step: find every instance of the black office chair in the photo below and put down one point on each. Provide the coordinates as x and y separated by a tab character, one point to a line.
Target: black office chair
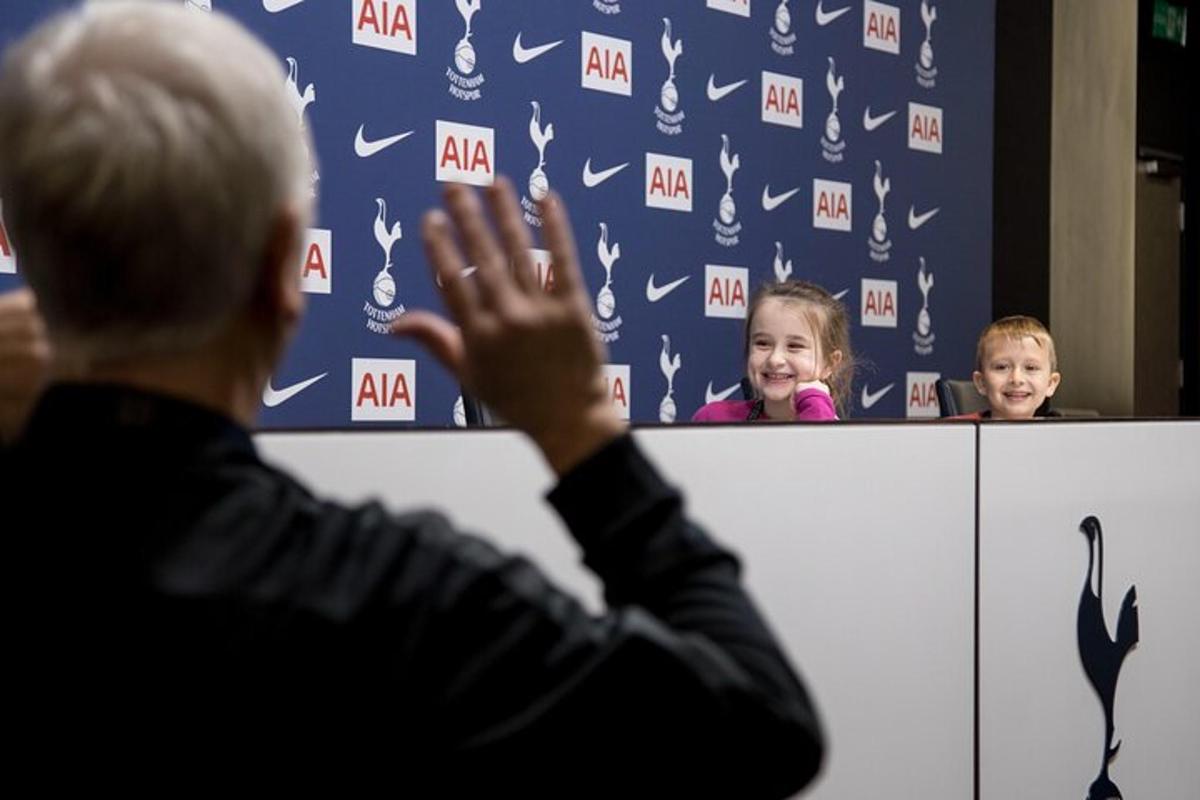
961	397
958	397
477	414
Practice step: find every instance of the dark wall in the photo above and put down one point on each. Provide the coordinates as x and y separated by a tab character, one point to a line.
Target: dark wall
1190	399
1162	123
1021	180
1168	131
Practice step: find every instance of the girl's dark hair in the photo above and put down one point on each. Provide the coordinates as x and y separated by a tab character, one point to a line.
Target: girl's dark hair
830	324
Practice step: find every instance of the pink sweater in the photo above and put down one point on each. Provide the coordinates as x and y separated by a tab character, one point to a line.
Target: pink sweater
811	404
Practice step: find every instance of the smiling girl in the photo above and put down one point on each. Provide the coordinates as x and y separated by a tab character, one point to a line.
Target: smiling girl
798	357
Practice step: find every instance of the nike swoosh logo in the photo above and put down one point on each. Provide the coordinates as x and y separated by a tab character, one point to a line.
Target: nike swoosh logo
656	293
523	54
715	92
826	17
871	398
591	179
711	397
275	6
466	273
771	203
273	397
365	149
916	220
841	294
871	123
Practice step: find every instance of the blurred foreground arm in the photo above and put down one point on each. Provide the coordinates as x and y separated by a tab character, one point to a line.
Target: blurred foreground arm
680	688
529	354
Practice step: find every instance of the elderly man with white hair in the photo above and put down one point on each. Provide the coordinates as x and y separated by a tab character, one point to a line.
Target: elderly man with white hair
186	606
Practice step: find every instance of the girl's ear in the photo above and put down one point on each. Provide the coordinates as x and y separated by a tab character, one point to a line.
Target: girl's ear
835	361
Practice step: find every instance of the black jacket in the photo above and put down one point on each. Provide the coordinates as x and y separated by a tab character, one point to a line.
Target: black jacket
183	604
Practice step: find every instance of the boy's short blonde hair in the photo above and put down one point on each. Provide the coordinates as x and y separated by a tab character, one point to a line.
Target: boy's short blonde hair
1017	327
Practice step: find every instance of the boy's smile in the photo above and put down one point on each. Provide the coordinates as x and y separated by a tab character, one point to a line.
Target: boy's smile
1016	377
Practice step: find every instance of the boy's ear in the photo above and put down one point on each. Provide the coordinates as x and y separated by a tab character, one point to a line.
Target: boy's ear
1055	378
977	379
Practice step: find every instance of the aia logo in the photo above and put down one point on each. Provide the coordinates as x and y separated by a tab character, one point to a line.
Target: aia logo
831	205
726	225
316	265
832	145
670	117
385	24
782	99
543	269
669	366
465	153
539	184
381	314
739	7
606	64
300	101
923	336
881	27
878	241
922	402
383	390
783	41
926	71
464	83
606	323
8	259
616	386
725	291
878	303
924	128
668	182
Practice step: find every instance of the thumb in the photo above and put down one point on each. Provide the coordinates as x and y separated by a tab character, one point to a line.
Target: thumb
436	335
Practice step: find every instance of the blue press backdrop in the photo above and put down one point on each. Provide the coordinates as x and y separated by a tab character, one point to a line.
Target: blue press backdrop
383	93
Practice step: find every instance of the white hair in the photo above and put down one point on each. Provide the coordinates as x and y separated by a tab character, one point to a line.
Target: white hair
147	154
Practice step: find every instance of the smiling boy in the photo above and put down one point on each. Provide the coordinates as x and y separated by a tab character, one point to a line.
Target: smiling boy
1016	368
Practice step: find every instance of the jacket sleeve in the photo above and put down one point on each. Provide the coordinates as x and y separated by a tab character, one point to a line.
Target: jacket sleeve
814	405
680	682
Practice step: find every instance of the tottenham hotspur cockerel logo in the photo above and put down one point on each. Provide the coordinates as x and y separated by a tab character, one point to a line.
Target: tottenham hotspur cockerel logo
464	82
1103	655
539	183
381	314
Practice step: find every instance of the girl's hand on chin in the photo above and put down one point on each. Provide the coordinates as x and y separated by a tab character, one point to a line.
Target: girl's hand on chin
824	387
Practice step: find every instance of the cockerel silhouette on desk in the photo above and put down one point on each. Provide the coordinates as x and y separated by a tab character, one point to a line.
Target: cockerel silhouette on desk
1102	656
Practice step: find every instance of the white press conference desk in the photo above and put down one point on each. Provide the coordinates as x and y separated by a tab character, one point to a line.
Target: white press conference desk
878	550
